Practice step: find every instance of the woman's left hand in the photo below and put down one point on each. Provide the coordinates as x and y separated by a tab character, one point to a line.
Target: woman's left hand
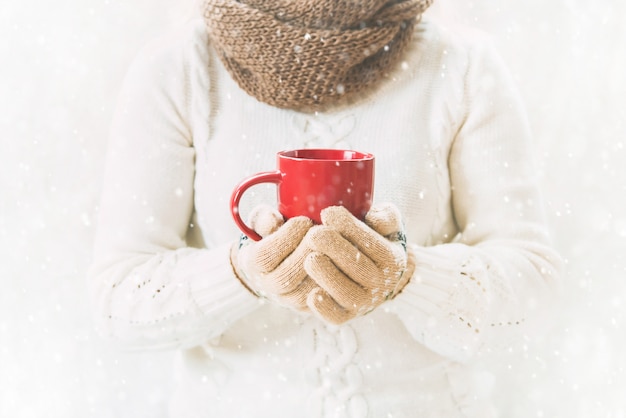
357	265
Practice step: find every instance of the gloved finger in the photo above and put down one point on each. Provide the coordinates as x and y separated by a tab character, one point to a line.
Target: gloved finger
324	307
348	258
297	298
265	220
273	249
385	218
370	242
289	274
388	255
348	294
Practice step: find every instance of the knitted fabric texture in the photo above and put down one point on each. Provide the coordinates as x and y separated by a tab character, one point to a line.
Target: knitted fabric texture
309	55
273	267
357	267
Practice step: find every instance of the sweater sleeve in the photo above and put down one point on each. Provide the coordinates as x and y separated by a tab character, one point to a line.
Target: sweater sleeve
149	288
484	289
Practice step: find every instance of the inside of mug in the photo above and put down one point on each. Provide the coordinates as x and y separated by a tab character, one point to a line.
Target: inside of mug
326	154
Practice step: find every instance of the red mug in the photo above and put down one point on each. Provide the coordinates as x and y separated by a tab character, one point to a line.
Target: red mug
309	180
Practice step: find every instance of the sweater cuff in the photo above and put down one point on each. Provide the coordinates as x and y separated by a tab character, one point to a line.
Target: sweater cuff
215	290
445	302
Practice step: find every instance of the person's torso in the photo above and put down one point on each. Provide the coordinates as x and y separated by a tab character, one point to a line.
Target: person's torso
408	124
274	358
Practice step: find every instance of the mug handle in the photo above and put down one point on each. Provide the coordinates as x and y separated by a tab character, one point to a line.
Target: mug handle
264	177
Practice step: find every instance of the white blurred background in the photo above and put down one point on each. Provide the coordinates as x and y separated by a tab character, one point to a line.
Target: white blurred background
61	64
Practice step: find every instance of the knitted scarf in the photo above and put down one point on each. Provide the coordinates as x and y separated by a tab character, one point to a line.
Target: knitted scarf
310	55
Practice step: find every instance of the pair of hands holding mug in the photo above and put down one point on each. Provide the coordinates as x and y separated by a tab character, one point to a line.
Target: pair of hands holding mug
339	270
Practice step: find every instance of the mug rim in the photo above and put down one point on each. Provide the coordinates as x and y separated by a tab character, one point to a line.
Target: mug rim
339	154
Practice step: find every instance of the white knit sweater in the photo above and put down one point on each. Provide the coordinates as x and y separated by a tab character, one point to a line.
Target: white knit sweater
452	152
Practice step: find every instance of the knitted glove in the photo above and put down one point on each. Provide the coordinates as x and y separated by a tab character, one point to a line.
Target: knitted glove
273	267
356	265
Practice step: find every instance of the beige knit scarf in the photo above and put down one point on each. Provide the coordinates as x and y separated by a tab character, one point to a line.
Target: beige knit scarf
310	55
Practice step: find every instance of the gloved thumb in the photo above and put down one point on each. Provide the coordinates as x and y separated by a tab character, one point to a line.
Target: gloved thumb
384	218
265	220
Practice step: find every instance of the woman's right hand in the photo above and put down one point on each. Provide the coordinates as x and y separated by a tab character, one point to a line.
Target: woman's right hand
273	267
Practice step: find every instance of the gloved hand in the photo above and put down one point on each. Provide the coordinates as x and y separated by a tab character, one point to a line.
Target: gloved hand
356	265
273	267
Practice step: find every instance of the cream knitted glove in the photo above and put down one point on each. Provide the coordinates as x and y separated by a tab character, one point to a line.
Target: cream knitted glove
273	267
356	265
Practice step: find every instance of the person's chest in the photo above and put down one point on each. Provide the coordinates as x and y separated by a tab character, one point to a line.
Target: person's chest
408	132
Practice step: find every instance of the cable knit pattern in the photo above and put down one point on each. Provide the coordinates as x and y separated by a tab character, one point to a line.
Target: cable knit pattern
338	379
452	151
322	131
